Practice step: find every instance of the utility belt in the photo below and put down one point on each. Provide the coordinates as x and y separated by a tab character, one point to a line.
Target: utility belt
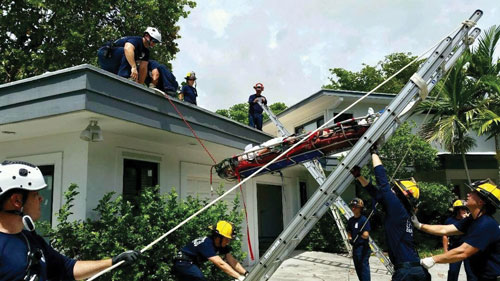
108	49
406	265
181	256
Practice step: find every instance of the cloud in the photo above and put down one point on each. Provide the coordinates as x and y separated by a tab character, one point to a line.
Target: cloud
290	46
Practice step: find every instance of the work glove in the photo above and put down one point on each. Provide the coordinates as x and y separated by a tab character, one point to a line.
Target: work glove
374	149
356	171
427	262
129	257
415	222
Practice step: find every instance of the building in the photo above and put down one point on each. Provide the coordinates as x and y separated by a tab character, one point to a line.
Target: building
145	142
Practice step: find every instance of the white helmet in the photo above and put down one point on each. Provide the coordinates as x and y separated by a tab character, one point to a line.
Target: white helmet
20	175
154	33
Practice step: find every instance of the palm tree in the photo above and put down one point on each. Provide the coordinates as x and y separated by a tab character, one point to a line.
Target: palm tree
452	105
484	69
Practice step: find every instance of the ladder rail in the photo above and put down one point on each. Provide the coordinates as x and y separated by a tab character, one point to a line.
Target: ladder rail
340	178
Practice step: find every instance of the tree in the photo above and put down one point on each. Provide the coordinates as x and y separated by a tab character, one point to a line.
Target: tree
420	155
452	106
486	70
276	108
239	112
47	35
371	76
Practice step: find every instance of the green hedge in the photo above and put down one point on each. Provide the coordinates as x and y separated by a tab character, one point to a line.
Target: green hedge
121	227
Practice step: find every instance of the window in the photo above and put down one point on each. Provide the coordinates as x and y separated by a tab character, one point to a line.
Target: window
303	193
138	175
342	117
310	126
47	193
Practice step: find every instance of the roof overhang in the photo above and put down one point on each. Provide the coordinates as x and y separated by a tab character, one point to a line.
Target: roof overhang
79	92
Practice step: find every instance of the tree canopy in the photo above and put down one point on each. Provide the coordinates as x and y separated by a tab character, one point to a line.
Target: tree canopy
370	76
46	35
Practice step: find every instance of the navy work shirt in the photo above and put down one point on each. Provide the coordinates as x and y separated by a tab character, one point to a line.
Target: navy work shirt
482	233
354	226
14	261
397	225
140	51
255	107
167	81
203	248
454	240
190	94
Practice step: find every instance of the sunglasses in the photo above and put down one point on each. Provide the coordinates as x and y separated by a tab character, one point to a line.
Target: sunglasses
155	41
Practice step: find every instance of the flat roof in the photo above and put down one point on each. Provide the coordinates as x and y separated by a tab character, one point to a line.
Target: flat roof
336	93
86	87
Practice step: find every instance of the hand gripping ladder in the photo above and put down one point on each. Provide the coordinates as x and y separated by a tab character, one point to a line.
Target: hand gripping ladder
422	82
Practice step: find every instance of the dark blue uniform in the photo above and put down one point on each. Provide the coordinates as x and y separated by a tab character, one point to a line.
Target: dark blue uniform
398	231
482	233
361	249
255	112
167	81
186	266
190	94
454	242
117	62
14	261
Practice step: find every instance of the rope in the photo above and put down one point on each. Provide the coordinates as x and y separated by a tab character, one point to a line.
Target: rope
187	124
263	167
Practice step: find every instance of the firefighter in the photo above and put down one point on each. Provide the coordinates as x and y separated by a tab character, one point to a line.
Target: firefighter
481	233
188	91
460	212
358	228
399	202
24	255
160	77
120	56
254	109
188	260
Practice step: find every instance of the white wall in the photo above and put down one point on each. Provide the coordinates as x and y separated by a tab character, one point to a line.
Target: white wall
69	156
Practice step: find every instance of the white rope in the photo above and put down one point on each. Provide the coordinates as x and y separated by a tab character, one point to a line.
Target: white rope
269	163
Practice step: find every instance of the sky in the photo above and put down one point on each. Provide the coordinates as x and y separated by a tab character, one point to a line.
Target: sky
289	46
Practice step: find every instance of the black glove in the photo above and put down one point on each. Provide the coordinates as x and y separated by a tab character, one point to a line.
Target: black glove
374	149
350	241
356	171
129	257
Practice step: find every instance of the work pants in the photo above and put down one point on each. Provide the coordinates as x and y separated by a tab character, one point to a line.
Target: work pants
361	256
415	273
454	271
117	63
187	271
255	120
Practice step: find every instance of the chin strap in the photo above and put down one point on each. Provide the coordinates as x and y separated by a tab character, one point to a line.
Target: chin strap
27	220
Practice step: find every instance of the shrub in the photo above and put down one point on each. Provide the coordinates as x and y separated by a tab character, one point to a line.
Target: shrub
122	226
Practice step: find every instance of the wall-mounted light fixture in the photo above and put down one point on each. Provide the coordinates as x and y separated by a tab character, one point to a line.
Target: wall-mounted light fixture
92	133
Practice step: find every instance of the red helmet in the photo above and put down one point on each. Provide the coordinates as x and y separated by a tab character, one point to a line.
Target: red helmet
259	86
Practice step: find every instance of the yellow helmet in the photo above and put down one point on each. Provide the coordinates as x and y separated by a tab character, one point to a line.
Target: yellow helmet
357	202
190	76
459	204
488	190
409	189
224	228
